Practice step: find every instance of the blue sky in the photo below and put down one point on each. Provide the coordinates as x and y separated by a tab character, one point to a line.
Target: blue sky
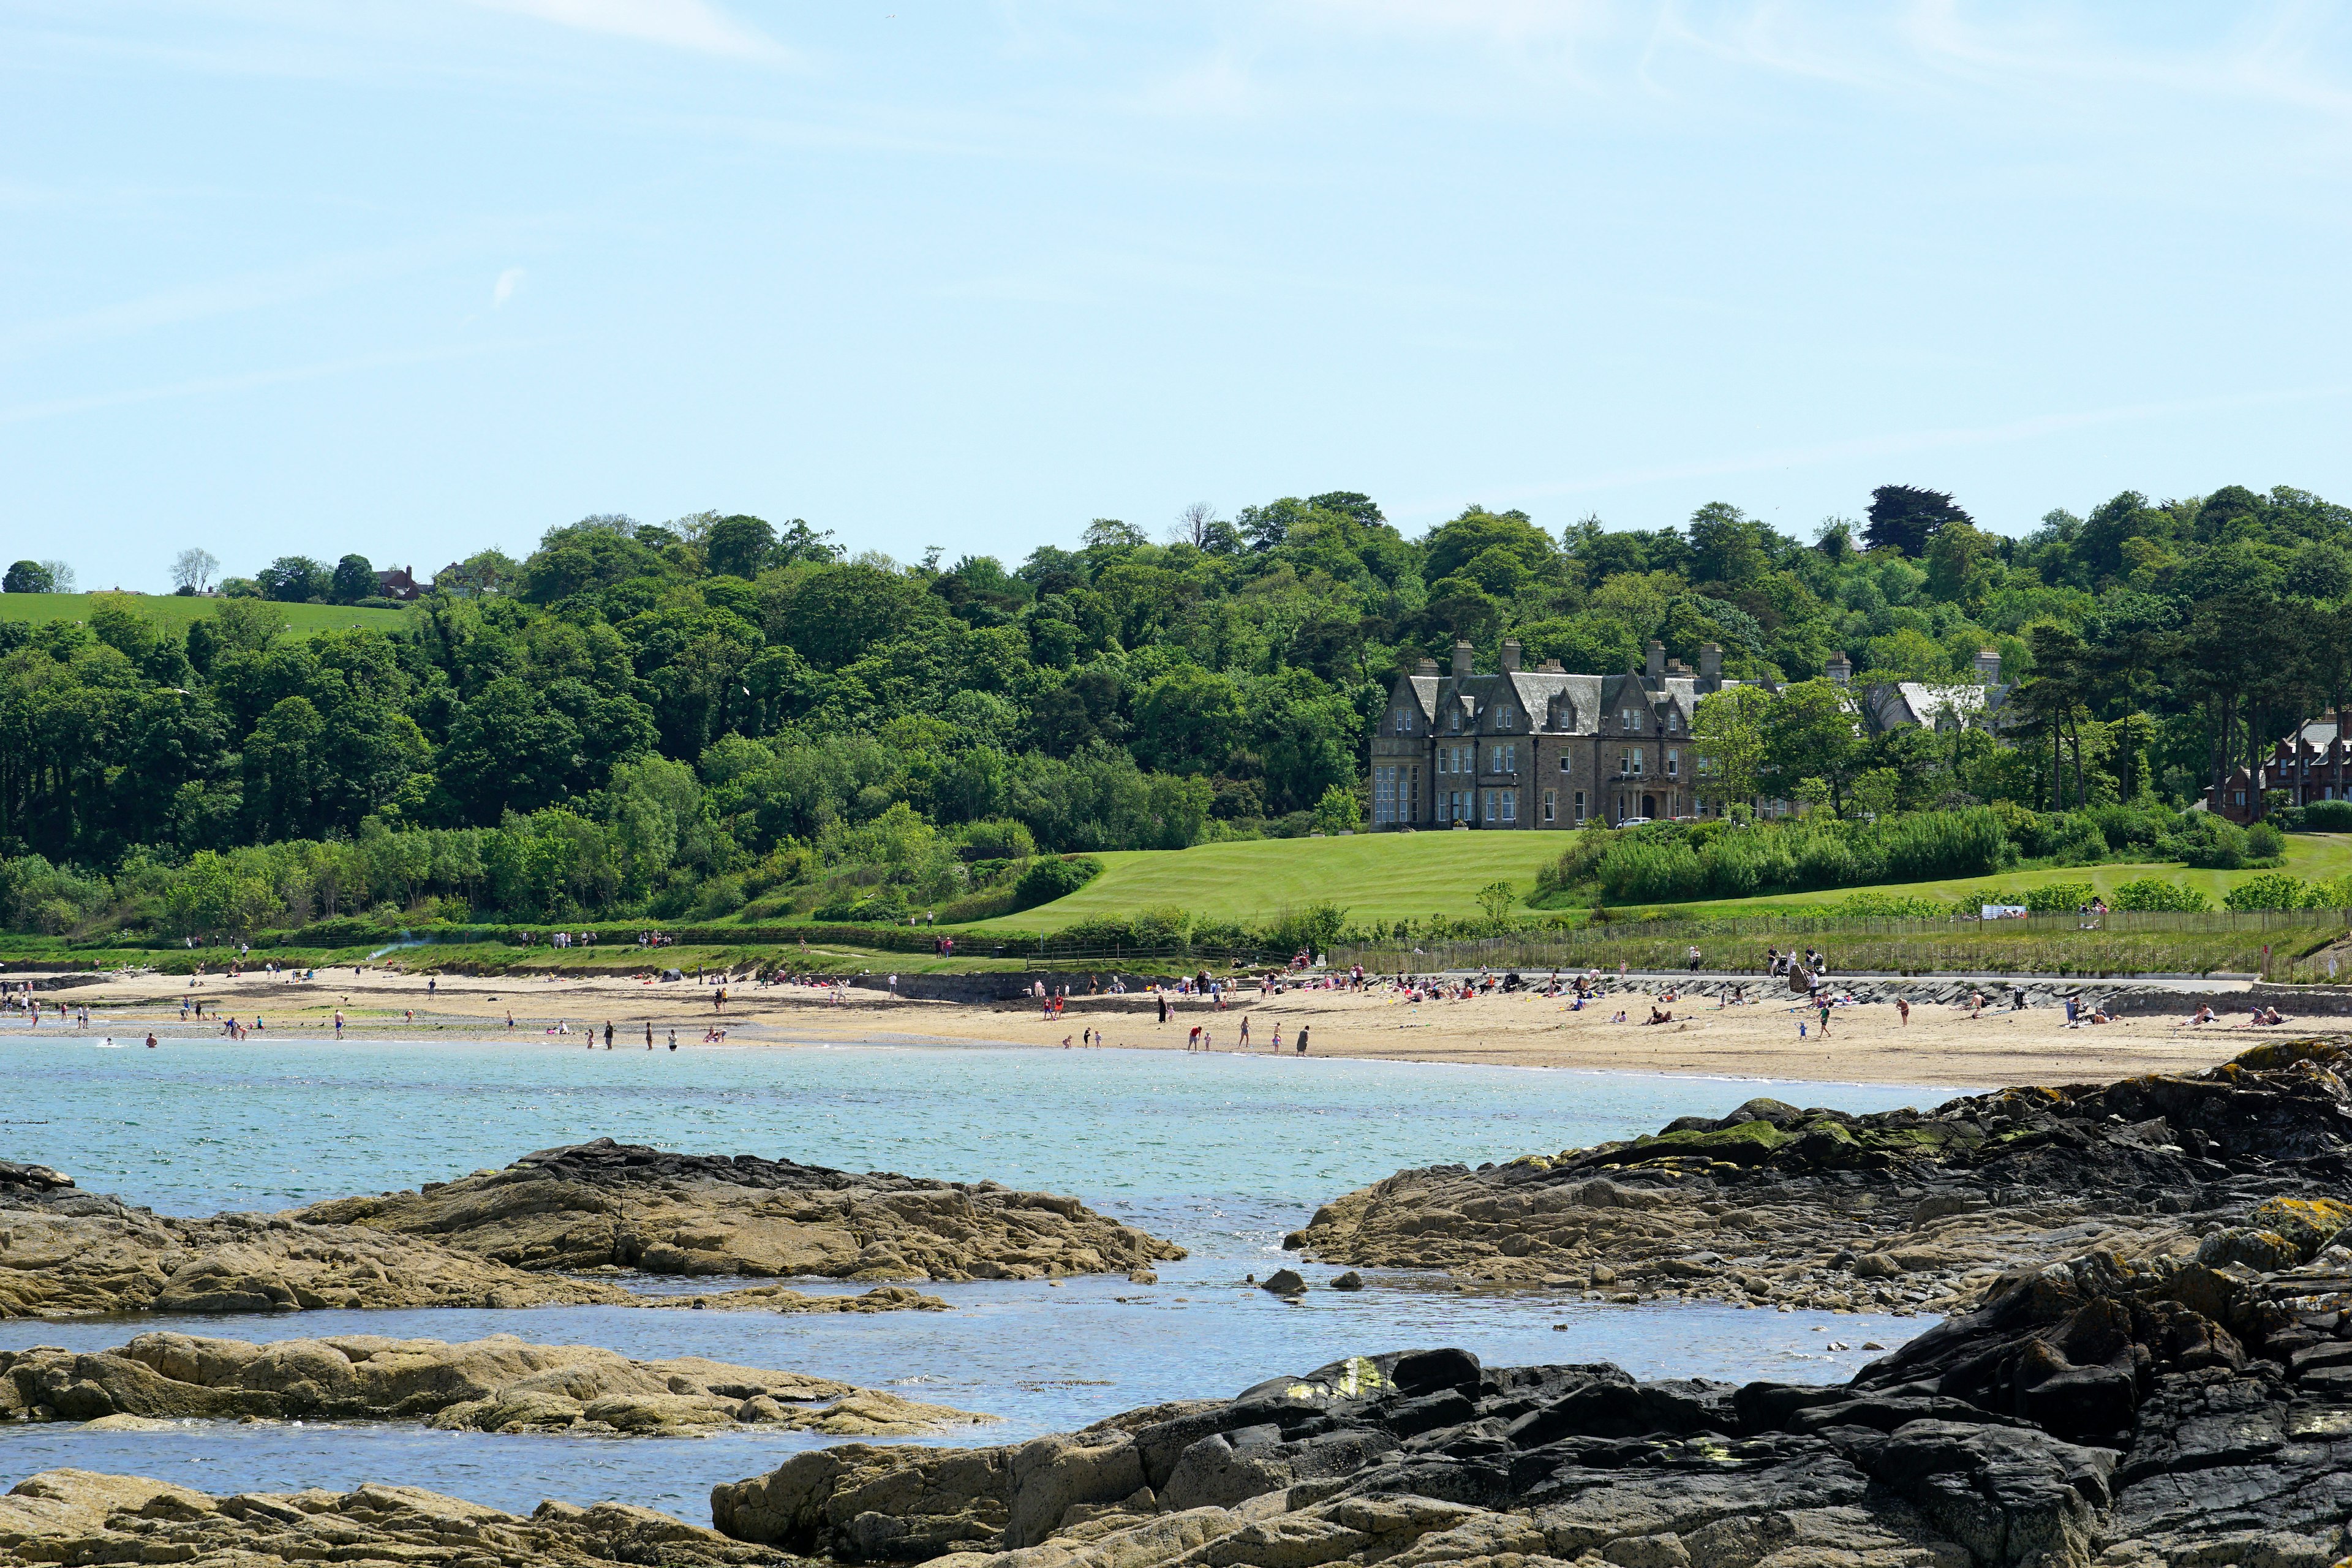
414	277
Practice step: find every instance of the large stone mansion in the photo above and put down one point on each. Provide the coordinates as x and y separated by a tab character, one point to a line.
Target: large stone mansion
1544	748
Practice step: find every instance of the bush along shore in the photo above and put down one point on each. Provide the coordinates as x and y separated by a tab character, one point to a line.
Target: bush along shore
559	1228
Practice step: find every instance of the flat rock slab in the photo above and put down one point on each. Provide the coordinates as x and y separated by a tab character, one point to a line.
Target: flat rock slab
1901	1211
627	1207
76	1516
499	1384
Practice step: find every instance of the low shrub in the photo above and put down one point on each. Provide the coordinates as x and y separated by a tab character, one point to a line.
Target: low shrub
2276	891
1053	877
2264	842
2155	893
2057	898
2204	840
2327	816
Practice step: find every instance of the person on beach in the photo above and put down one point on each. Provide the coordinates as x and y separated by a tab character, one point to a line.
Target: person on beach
1976	1006
150	1039
608	1034
1277	1040
2203	1016
1825	1020
1192	1040
649	1034
673	1039
1903	1007
1246	1031
1302	1039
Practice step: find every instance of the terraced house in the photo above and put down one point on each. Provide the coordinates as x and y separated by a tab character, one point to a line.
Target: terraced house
1541	748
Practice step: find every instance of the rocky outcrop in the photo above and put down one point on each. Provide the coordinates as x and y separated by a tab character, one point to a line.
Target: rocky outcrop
500	1385
1900	1211
518	1236
66	1253
2186	1412
74	1516
623	1206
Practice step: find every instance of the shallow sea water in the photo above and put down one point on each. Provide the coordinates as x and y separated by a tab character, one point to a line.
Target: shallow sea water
1220	1153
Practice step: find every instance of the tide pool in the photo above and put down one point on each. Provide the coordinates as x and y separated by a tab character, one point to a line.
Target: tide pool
1220	1153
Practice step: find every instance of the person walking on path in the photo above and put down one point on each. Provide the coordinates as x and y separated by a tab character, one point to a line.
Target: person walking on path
1694	958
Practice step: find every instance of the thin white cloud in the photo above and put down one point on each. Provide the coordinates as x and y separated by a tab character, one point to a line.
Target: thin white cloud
675	24
504	288
248	381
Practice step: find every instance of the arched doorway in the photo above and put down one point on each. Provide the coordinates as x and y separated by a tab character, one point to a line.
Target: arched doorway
1649	805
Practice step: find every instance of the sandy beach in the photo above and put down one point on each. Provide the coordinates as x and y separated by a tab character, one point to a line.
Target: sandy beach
1940	1045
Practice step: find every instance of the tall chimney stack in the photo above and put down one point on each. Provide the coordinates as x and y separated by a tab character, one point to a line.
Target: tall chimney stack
1461	659
1657	659
1710	664
1987	667
1839	669
1510	654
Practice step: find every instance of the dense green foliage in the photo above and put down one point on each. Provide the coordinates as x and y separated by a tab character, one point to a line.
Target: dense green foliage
715	715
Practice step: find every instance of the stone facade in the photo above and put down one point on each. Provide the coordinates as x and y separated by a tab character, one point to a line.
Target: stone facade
1541	748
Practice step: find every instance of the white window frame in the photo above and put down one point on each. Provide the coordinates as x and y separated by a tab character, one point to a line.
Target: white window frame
1510	806
1579	808
1674	762
1551	805
1637	761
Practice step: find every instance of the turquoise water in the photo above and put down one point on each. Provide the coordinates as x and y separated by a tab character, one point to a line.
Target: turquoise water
1222	1153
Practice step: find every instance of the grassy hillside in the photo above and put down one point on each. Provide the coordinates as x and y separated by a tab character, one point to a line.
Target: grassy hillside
1412	876
1374	877
173	610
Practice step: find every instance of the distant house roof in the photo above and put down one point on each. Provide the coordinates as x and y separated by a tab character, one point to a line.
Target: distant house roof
397	583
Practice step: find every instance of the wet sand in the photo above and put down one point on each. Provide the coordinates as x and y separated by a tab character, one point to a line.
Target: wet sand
1940	1045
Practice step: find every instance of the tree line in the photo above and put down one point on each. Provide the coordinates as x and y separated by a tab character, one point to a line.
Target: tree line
717	694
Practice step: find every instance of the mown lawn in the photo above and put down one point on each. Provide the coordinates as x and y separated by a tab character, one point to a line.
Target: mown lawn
175	611
1373	877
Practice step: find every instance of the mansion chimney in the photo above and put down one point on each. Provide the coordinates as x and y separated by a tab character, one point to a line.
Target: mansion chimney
1510	654
1657	660
1426	666
1461	659
1839	668
1710	665
1987	667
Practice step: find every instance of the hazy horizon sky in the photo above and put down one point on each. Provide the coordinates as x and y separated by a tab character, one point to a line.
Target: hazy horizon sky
416	279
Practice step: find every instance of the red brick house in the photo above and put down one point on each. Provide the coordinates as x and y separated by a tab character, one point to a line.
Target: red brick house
2313	764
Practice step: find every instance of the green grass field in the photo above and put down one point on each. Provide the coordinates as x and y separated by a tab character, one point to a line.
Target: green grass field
175	611
1383	877
1412	876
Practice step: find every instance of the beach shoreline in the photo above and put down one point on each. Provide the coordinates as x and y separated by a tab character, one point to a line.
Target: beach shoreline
1870	1044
